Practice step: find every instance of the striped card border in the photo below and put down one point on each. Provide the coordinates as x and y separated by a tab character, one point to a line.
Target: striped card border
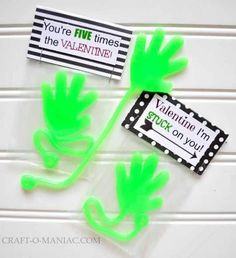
75	61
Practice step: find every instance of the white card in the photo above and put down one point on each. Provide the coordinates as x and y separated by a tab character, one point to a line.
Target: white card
168	125
79	43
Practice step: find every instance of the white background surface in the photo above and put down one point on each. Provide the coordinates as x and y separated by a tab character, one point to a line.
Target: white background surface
199	216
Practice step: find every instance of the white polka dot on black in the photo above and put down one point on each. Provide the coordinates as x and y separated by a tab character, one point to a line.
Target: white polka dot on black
211	154
179	160
201	169
140	135
221	139
166	151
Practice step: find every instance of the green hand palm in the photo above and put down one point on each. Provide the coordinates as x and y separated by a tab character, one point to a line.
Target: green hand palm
62	110
150	67
135	190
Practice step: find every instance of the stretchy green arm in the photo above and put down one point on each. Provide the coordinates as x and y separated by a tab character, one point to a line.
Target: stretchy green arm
135	197
50	158
149	68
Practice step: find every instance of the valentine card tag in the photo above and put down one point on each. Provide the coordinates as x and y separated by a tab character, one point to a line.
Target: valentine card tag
79	43
180	132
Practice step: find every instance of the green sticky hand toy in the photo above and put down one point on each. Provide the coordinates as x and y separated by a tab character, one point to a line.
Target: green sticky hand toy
135	192
64	118
150	67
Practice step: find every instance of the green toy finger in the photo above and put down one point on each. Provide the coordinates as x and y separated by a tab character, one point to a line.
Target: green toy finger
158	182
139	48
172	47
156	42
121	177
177	66
121	181
155	204
149	167
136	166
60	91
75	87
137	57
87	101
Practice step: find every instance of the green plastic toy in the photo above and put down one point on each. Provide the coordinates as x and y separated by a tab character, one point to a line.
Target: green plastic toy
64	118
150	67
135	192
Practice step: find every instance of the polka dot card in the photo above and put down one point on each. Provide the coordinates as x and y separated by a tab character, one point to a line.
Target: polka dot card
180	132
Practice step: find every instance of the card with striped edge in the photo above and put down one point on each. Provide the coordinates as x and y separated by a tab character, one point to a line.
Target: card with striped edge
79	43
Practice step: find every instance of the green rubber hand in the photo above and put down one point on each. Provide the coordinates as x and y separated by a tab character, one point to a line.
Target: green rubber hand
64	118
64	109
135	192
150	66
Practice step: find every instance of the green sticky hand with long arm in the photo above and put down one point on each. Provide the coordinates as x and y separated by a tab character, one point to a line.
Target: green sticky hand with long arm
135	194
64	118
150	68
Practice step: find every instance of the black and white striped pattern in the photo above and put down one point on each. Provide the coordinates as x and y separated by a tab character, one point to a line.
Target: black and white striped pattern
75	61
